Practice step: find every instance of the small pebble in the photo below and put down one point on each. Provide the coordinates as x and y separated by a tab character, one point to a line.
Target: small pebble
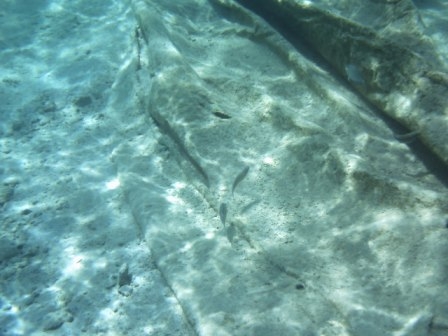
26	212
300	287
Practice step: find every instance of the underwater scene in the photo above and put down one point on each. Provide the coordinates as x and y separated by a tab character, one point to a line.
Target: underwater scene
224	167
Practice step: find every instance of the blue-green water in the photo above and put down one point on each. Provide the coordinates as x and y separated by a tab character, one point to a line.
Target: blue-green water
203	168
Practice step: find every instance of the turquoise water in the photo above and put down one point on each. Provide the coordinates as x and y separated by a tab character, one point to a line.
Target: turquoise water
198	167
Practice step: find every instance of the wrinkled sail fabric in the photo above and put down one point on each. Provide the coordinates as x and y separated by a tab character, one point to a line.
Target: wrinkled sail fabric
274	201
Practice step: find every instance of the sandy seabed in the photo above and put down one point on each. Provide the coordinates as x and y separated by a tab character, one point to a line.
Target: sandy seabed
167	170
